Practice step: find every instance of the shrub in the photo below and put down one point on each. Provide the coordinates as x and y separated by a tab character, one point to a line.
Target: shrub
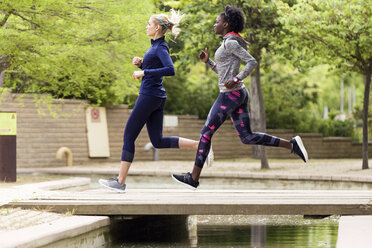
331	127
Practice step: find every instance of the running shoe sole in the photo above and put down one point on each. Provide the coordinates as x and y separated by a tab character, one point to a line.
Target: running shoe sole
302	147
184	184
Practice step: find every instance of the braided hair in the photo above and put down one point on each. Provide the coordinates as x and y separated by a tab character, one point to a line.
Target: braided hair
234	17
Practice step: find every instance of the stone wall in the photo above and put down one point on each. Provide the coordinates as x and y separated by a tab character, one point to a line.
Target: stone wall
45	125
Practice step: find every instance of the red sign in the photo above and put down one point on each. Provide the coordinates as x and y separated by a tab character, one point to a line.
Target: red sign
94	113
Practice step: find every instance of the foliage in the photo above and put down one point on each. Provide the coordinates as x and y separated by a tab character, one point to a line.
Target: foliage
263	28
197	31
194	88
197	26
203	90
72	49
292	97
290	101
328	83
83	49
339	32
191	92
288	97
331	127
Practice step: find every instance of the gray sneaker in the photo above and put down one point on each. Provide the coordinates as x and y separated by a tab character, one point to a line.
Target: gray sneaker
113	184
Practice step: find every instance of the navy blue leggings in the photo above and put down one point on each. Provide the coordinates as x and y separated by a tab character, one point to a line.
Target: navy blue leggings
148	110
235	104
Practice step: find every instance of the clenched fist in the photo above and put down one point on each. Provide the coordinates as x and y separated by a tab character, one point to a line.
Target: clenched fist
137	61
138	74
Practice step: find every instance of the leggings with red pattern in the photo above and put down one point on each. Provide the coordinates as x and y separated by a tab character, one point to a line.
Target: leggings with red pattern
235	104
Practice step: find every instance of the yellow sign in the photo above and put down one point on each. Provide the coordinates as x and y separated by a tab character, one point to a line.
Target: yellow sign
8	123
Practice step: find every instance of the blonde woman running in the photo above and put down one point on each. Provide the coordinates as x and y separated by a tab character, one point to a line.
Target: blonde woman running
149	106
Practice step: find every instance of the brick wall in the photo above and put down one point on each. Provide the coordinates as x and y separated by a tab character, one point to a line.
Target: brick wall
44	125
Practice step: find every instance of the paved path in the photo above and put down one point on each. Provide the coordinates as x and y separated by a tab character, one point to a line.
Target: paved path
294	169
35	228
354	231
52	231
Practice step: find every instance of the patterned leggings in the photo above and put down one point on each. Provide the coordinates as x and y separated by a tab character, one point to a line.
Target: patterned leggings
235	104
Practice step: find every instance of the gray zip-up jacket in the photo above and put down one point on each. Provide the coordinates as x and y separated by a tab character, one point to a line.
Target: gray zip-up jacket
228	56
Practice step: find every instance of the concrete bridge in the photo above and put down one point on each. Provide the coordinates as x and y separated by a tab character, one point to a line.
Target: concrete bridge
205	202
170	209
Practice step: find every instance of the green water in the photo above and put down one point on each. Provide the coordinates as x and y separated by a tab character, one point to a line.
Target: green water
237	231
250	236
213	231
268	236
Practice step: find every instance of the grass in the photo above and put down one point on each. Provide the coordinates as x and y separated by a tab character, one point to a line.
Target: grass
69	213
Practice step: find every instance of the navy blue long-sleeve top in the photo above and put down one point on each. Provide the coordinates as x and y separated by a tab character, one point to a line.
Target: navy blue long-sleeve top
156	64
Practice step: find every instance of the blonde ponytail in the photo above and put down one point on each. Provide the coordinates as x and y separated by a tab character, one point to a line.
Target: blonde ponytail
169	24
175	19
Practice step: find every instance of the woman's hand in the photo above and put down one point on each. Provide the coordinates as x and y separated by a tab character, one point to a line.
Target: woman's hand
230	84
138	74
137	61
204	56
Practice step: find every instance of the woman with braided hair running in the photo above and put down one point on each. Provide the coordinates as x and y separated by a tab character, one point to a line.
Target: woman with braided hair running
149	106
233	97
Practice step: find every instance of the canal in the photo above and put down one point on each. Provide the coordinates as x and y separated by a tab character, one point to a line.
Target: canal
216	231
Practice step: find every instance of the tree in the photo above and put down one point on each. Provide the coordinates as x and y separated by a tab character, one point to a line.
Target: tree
72	49
339	32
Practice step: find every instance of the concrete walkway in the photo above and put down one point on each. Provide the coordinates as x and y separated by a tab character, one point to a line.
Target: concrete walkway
35	228
321	170
354	231
49	232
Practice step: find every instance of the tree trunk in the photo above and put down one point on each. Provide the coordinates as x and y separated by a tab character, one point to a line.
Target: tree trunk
2	75
4	64
258	115
367	83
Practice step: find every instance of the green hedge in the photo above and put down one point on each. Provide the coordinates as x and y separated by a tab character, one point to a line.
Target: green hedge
336	127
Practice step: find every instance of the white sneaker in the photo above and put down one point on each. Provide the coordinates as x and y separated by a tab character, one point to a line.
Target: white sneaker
210	158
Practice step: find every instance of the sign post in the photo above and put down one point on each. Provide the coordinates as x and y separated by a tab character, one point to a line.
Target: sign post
8	146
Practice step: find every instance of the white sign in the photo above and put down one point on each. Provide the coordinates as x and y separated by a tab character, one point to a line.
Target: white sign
170	121
97	132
